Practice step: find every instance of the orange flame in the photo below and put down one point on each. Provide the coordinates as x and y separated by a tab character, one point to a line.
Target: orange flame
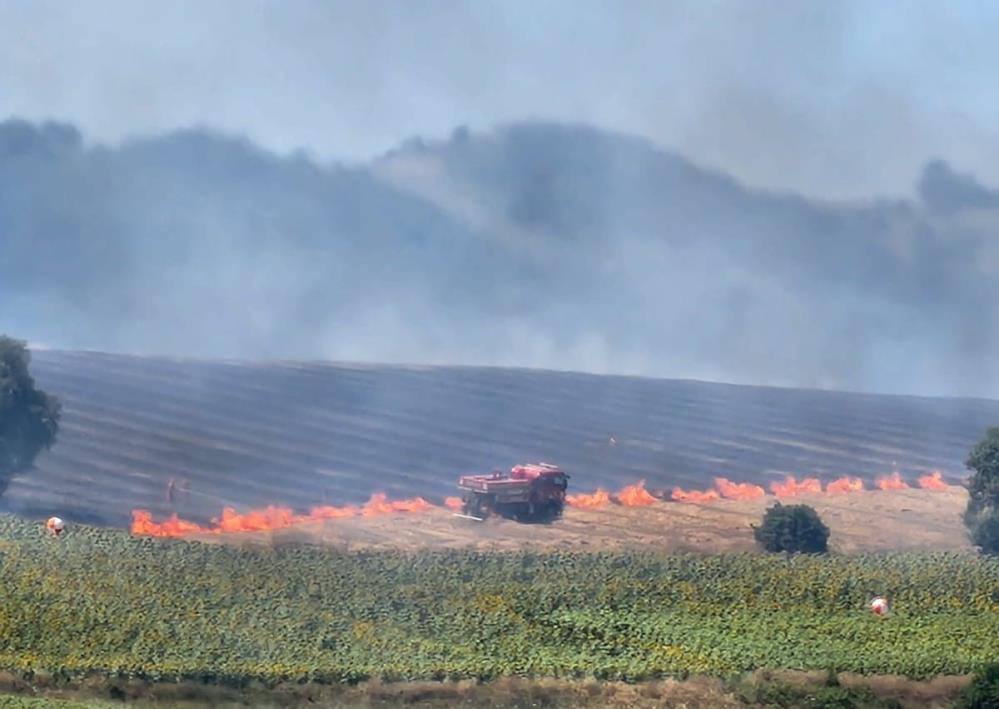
173	526
330	512
269	518
932	482
275	517
845	484
263	520
590	500
380	505
790	487
738	491
892	482
635	495
694	496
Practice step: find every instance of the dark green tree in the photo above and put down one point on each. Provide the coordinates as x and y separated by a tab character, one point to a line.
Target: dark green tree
29	418
792	528
982	513
983	692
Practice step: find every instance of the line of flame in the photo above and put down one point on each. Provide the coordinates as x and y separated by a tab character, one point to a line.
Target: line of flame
275	517
635	495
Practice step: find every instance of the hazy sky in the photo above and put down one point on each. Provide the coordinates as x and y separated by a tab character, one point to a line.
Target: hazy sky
831	99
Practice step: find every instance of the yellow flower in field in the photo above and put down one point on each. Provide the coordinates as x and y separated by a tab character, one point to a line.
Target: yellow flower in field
363	630
490	603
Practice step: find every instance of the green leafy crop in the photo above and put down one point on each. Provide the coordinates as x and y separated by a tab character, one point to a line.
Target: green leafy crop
103	601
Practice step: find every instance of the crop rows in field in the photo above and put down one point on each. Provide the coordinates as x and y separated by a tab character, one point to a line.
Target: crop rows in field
100	600
249	435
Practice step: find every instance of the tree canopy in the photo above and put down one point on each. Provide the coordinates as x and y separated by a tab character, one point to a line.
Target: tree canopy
792	528
983	461
982	514
29	418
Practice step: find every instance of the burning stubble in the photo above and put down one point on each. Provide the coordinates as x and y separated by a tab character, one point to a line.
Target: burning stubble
634	495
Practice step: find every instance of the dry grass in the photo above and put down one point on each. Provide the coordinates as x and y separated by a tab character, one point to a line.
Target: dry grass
692	693
859	522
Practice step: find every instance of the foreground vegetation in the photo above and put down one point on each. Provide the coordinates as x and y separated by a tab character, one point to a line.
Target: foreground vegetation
816	690
99	601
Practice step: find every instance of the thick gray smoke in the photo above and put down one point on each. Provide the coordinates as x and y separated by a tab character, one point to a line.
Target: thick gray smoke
539	245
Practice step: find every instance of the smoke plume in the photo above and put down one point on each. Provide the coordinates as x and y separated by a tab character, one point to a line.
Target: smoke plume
539	245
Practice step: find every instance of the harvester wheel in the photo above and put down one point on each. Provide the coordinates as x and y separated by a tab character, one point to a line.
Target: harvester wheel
475	507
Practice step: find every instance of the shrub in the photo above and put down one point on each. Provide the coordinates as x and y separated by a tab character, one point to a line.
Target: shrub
983	527
792	528
779	694
983	692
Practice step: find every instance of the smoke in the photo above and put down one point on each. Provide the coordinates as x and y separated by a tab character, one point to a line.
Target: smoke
841	99
943	190
539	245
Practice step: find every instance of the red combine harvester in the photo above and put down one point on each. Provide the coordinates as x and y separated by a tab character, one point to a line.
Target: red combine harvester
530	493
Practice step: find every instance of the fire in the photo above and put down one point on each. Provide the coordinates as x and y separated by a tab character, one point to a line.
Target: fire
380	505
695	496
270	518
276	517
738	491
846	484
635	495
892	482
590	500
173	526
790	487
932	482
330	512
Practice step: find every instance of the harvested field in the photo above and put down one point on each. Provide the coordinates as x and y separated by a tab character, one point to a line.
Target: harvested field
859	522
300	434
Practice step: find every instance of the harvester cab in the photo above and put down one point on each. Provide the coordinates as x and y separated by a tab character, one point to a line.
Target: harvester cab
528	493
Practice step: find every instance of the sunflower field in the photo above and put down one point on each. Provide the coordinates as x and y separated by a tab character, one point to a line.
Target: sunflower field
101	601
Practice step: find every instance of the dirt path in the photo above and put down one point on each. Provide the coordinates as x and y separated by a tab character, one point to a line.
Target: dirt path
859	522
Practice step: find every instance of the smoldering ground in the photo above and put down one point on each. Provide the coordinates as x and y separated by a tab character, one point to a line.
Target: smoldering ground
539	244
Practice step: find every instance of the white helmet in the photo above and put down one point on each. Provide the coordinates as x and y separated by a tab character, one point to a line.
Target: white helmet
879	606
55	525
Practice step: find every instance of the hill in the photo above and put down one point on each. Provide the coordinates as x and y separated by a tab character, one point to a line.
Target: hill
301	433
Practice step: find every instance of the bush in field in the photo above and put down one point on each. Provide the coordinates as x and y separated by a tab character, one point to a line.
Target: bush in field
982	514
29	418
792	528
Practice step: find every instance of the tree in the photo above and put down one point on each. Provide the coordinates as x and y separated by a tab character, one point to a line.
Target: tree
983	461
792	528
29	418
983	692
982	513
